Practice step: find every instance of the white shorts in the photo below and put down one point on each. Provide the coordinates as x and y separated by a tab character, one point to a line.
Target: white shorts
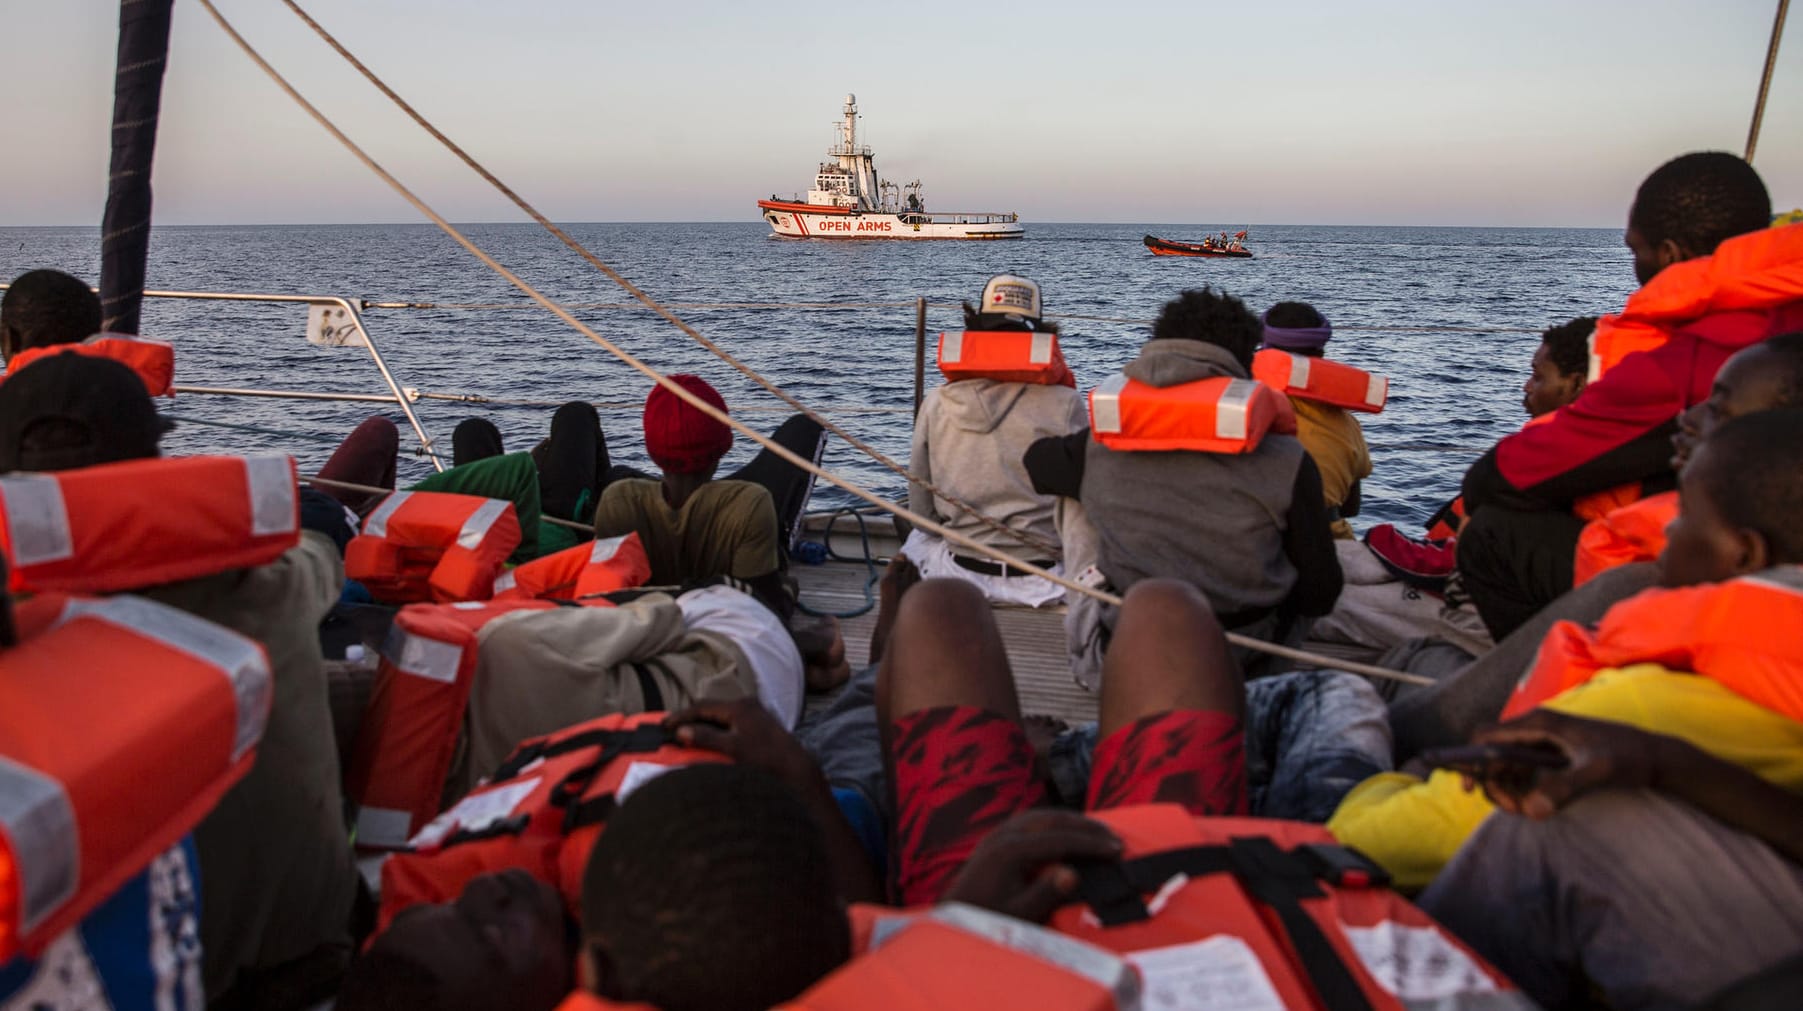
933	557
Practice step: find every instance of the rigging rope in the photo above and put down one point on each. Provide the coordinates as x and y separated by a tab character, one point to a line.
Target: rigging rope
681	392
1022	536
1765	78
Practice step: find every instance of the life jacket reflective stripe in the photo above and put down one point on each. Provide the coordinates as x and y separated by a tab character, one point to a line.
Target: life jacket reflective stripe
1756	271
1316	917
153	360
602	566
1631	533
409	734
1007	356
541	811
1319	379
1219	415
426	545
121	526
1740	633
122	722
959	957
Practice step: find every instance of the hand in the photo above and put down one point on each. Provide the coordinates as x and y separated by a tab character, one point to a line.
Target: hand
1598	754
1022	867
744	731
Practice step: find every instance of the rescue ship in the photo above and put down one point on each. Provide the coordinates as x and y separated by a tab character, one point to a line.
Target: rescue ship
849	201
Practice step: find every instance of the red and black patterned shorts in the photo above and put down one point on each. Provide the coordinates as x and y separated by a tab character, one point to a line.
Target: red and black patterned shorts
961	771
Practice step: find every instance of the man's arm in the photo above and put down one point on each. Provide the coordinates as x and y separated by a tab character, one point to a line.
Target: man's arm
1055	464
1308	543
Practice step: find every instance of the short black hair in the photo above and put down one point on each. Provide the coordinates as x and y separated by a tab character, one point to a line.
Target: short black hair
1568	345
1789	349
1294	316
1700	199
45	307
1754	478
711	890
1212	317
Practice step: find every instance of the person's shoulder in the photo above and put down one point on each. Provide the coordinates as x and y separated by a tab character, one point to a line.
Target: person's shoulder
731	491
630	488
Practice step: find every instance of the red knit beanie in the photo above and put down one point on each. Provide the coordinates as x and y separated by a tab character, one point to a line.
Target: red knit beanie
678	437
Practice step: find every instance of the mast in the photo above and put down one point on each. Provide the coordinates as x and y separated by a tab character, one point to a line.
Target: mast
1765	79
137	97
857	160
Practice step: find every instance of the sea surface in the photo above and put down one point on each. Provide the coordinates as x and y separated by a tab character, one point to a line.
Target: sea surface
1450	314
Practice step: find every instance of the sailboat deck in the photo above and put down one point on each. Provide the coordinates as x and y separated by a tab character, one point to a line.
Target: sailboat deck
1034	637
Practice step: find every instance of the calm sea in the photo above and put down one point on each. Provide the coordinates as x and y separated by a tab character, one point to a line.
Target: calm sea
1387	290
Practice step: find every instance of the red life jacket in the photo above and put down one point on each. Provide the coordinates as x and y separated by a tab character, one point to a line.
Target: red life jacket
541	811
92	530
1219	415
1319	379
1631	533
153	360
1007	356
1314	917
410	731
1741	633
122	722
583	1000
426	545
960	957
586	570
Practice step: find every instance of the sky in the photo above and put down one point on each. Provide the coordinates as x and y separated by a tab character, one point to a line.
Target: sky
1408	112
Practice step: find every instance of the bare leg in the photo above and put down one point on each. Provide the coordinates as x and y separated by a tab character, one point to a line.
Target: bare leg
898	579
945	650
1167	653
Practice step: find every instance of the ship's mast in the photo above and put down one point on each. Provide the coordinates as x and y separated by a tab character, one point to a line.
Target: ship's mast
857	160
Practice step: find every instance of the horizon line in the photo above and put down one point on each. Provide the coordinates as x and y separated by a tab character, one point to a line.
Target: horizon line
759	223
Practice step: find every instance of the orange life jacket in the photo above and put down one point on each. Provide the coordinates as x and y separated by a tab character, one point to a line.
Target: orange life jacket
959	957
586	570
1319	379
93	531
1219	415
1759	270
122	722
410	731
1741	633
426	545
1006	356
153	360
1632	533
541	811
1314	917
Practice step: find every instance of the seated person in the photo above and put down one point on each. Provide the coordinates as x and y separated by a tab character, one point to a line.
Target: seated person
1660	663
275	859
1698	231
1763	377
692	526
968	439
42	308
1560	368
1331	434
1249	530
1607	878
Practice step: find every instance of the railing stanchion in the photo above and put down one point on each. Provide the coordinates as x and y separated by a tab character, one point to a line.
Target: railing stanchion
920	351
400	398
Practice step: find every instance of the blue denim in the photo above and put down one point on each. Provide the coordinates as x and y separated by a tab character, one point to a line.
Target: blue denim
1311	736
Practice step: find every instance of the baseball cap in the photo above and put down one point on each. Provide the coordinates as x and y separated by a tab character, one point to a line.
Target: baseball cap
1008	295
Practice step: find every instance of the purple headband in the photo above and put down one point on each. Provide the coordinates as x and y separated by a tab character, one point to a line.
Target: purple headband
1302	338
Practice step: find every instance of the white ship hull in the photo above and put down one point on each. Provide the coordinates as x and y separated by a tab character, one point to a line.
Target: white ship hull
792	221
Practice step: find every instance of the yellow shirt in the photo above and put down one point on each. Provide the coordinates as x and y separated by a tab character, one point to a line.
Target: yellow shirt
1413	827
1335	441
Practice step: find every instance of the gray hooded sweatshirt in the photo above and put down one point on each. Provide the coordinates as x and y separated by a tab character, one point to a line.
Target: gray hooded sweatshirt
1216	521
968	441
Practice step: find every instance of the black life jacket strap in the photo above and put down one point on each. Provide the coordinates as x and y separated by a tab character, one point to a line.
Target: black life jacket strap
1278	878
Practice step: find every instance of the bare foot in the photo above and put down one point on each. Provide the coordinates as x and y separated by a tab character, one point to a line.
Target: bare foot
828	669
900	575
